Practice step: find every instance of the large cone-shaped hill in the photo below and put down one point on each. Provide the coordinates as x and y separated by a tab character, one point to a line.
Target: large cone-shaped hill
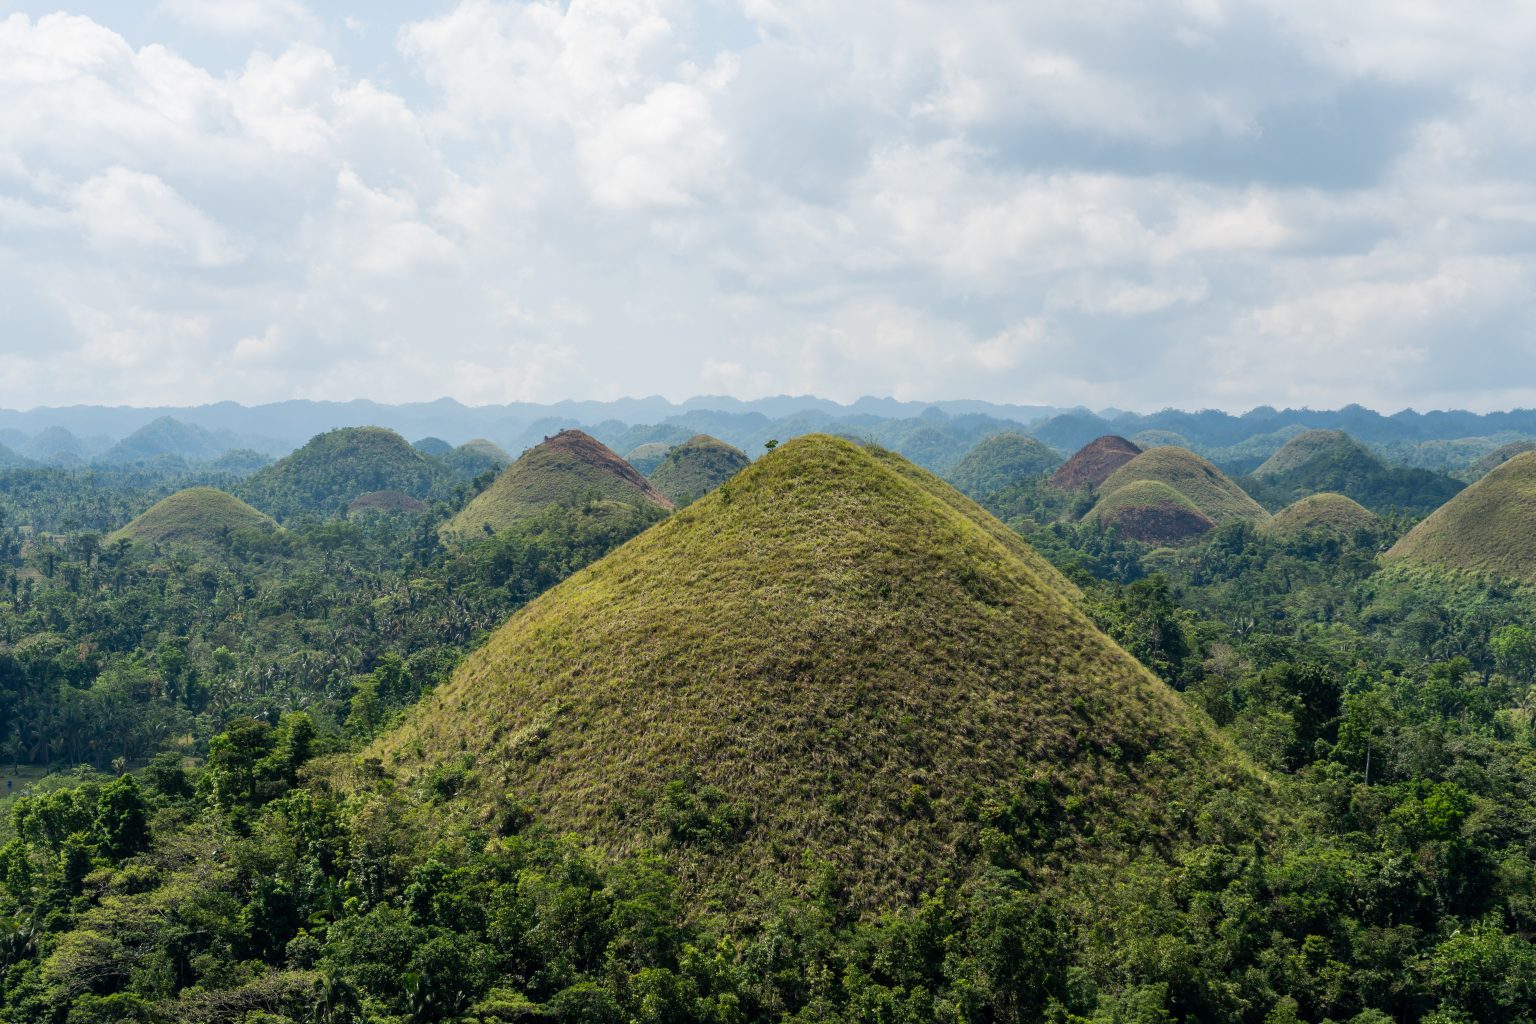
1001	461
1093	463
1330	460
193	517
696	467
333	468
1152	512
1205	486
833	659
1327	513
1488	528
566	470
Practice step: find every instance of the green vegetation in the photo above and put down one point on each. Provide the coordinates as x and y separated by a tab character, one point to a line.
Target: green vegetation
472	458
831	744
1091	465
1152	512
1488	528
879	662
696	467
567	470
196	516
321	478
1000	462
1216	497
1328	513
385	503
1330	460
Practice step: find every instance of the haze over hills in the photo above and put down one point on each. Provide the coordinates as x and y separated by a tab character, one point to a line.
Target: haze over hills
825	643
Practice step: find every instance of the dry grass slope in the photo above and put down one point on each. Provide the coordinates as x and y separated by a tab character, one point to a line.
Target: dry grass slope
567	469
196	516
1202	483
1093	463
1488	528
1152	512
1328	513
863	664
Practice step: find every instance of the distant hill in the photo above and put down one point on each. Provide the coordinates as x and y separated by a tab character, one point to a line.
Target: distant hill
1206	487
1494	459
472	458
833	659
1000	462
385	503
648	456
1152	512
568	469
164	437
432	446
240	462
322	477
1327	513
56	445
198	516
1488	528
12	460
696	467
1330	460
1091	465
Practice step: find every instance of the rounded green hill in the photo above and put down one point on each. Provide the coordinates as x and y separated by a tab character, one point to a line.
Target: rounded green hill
472	458
1496	458
194	517
1327	513
1318	461
1152	512
1206	487
696	467
1001	461
322	477
1488	528
1320	452
648	456
1092	464
840	660
567	470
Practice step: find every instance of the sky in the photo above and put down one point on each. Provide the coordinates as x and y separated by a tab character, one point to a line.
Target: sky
1191	203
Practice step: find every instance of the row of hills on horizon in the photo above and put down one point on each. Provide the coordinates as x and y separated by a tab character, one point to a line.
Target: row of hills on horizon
231	437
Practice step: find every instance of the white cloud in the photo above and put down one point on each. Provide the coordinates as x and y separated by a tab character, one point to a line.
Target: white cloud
240	17
129	214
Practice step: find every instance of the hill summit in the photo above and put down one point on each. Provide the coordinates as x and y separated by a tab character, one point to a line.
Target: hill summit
1207	489
1488	528
333	468
568	469
1001	461
1093	463
1327	513
195	516
1317	461
835	665
696	467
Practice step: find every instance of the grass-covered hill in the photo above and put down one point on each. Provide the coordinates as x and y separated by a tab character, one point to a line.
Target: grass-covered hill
432	446
696	467
1327	513
1488	528
834	669
1330	460
1092	464
324	476
1494	459
1152	512
472	458
1206	487
568	469
648	456
1000	462
198	516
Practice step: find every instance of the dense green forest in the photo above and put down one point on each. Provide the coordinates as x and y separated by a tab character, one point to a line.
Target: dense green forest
198	829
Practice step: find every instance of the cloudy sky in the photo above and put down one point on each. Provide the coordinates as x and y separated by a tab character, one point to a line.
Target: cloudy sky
1108	202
